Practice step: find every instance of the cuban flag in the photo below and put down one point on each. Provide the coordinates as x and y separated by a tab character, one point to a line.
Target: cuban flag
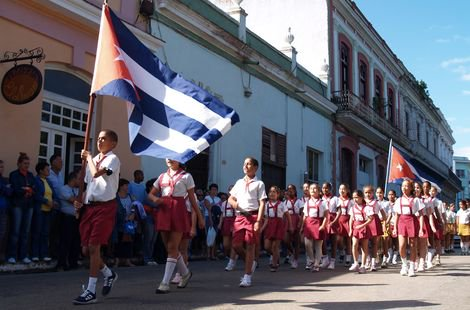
169	117
400	168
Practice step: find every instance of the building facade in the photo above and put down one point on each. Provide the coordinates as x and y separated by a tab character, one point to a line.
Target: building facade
462	170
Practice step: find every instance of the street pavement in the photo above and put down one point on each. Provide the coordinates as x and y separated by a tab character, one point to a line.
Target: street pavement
212	288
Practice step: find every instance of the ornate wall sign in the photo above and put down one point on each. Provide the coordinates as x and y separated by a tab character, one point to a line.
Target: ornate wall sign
21	84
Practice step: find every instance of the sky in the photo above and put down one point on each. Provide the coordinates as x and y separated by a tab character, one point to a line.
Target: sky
432	39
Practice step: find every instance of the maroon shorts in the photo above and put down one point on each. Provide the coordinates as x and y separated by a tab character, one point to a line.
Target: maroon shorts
312	228
439	234
427	231
333	229
343	225
187	235
408	226
173	216
227	226
375	226
275	229
97	222
363	233
244	230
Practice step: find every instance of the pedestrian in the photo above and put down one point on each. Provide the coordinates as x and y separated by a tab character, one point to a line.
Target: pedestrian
426	226
98	212
314	226
359	229
56	180
70	235
274	227
332	226
5	193
384	242
126	225
172	221
450	228
375	226
394	246
23	185
407	226
247	198
212	209
150	231
292	237
227	221
345	203
463	224
439	223
137	187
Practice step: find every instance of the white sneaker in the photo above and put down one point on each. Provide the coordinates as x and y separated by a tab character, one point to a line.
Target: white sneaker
246	281
438	261
331	266
404	270
429	264
229	267
354	267
420	266
47	259
294	264
26	260
176	278
35	259
12	260
411	272
394	259
384	263
324	262
309	266
362	269
373	267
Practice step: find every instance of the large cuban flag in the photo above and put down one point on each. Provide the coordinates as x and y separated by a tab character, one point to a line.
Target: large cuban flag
169	117
400	168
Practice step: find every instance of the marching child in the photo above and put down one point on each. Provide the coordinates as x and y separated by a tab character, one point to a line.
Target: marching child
463	224
292	237
314	226
344	202
226	227
247	198
361	216
332	227
384	241
173	220
407	226
425	234
375	226
274	228
439	222
393	250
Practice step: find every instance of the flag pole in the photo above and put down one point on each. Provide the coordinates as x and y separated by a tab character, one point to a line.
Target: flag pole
81	176
388	167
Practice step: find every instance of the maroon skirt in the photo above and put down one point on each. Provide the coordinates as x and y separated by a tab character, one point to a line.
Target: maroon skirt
439	234
295	219
333	229
375	226
227	226
427	231
343	225
362	233
312	228
275	229
408	226
173	215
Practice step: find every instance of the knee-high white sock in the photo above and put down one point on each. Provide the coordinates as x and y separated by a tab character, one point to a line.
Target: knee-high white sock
318	245
309	248
169	268
181	266
92	284
106	272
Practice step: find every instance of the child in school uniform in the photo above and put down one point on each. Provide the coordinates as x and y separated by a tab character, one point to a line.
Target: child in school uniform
393	250
425	233
247	198
314	226
344	203
375	226
384	241
332	226
226	227
173	220
361	216
292	237
439	223
273	227
463	226
406	207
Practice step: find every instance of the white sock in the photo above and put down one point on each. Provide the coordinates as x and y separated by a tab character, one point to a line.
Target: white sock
92	284
169	268
404	262
309	249
231	262
181	266
247	276
106	272
348	258
317	245
372	261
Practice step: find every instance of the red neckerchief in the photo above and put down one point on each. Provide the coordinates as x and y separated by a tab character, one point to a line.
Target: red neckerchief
98	163
344	205
362	207
292	202
270	206
410	201
172	180
372	205
248	182
316	205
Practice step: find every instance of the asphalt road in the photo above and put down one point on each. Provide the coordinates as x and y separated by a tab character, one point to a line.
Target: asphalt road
212	288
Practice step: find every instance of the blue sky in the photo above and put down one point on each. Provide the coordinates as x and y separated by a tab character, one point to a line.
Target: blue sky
432	39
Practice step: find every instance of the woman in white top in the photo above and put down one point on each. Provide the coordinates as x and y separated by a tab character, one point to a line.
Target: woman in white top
463	224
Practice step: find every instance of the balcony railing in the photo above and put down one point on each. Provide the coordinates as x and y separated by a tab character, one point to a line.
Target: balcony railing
375	116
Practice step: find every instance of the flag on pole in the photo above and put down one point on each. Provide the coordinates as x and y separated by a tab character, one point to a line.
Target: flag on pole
400	168
169	117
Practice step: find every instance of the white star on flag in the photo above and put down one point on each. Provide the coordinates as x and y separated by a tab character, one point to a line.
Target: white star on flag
400	167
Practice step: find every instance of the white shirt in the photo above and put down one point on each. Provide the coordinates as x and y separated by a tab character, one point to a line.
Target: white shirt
104	187
249	194
270	209
315	207
407	206
464	216
375	205
360	213
331	203
450	217
344	204
227	209
213	201
384	205
187	202
183	181
294	206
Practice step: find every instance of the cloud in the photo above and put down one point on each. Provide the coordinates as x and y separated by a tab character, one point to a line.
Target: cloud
466	92
442	41
455	61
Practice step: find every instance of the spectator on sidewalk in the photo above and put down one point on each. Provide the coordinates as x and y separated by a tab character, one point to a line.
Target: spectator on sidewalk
137	187
125	220
5	193
56	180
150	233
23	185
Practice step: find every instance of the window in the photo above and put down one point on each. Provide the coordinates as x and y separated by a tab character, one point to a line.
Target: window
273	158
418	132
427	139
362	164
407	124
391	106
363	81
378	97
313	165
460	173
344	67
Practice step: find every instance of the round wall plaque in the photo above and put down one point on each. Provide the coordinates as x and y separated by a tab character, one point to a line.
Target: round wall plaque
21	84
